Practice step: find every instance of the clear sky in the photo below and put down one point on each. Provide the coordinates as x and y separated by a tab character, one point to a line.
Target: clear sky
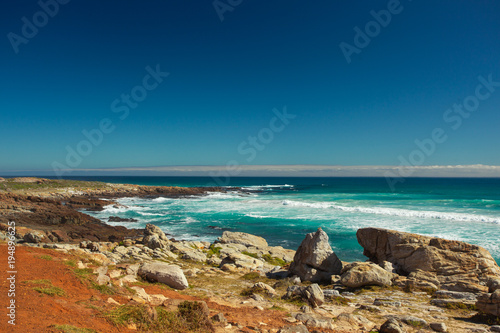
229	66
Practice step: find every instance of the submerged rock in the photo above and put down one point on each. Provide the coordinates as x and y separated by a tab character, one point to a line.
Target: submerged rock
315	260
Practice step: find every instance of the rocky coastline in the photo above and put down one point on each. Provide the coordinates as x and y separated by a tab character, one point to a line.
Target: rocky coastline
409	283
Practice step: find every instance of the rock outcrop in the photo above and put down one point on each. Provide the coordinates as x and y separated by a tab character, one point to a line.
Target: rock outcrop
451	265
393	326
489	303
313	294
170	275
359	274
315	260
242	238
154	237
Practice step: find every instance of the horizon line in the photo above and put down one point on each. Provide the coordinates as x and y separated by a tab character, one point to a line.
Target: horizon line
278	170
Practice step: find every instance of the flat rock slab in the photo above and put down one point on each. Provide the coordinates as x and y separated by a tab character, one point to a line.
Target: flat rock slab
170	275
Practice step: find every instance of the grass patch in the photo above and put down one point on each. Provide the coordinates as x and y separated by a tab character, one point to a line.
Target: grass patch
251	276
43	282
339	300
45	257
213	251
70	263
278	308
51	291
253	255
72	329
103	289
130	290
95	262
414	323
85	277
275	261
247	292
190	317
83	274
46	287
461	306
296	300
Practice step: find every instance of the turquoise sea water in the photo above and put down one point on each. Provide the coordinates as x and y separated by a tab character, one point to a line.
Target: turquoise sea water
283	210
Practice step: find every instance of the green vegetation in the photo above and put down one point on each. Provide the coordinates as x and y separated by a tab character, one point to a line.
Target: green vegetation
190	317
43	282
83	274
213	250
253	255
251	276
85	277
414	323
50	290
247	292
13	184
461	306
296	300
72	329
70	263
46	287
276	307
339	300
275	261
45	257
103	289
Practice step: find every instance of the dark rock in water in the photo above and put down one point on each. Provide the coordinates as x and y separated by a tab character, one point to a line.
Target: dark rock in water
214	227
119	219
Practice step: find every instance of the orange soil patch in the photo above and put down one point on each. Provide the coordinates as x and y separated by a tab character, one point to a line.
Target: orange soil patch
36	312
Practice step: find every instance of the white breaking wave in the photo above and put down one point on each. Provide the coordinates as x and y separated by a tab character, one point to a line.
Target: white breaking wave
396	212
162	199
265	187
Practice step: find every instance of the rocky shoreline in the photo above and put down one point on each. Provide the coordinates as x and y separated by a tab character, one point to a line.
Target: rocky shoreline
52	207
410	283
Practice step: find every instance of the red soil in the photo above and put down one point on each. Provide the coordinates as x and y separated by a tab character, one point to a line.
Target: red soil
37	312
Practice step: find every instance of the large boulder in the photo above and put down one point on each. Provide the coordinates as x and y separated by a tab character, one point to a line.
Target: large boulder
155	238
34	236
393	325
451	265
489	303
312	294
359	274
170	275
229	237
315	260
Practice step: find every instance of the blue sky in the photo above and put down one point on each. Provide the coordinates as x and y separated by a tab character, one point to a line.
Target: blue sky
226	77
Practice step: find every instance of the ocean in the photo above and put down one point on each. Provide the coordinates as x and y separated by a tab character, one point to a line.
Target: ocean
283	210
